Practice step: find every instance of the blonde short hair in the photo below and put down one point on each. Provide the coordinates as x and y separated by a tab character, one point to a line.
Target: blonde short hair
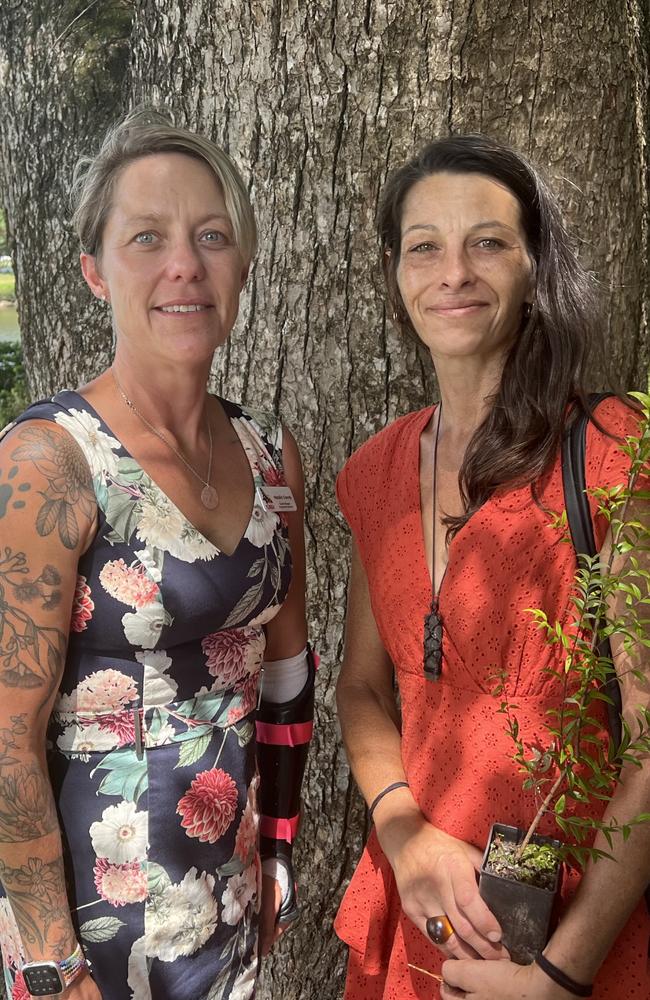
143	132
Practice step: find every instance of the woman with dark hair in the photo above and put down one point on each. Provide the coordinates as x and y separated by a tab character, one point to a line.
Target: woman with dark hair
449	511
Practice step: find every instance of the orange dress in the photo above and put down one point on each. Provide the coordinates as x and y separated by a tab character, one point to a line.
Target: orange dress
456	754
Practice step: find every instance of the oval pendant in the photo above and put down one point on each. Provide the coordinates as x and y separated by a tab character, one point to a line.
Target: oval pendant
209	497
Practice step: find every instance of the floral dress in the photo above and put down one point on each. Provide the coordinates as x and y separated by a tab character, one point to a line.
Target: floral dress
151	742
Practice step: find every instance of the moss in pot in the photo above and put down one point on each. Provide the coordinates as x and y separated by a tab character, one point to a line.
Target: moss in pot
521	891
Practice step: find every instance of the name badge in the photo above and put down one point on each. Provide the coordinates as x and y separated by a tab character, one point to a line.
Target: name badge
277	499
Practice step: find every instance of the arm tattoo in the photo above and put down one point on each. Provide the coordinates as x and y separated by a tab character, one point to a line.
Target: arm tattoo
69	494
12	493
31	655
27	809
37	893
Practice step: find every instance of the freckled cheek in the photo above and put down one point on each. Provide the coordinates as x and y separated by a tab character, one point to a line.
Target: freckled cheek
516	278
131	305
227	292
131	287
135	299
411	284
510	284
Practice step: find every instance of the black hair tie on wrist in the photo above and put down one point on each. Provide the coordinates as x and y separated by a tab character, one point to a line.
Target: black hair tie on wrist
377	799
561	978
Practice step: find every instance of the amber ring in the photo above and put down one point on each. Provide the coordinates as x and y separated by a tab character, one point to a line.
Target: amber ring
439	929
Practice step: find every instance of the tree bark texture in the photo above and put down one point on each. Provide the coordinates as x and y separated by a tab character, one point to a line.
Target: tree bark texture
316	103
61	77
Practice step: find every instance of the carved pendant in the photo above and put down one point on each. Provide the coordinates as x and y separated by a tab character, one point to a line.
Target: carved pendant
432	644
209	497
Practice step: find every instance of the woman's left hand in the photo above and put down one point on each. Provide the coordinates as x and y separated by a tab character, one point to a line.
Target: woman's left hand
270	930
501	980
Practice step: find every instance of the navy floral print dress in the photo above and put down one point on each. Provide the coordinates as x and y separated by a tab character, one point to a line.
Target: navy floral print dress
151	743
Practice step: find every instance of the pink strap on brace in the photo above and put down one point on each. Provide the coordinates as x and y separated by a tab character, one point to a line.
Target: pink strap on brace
293	735
278	828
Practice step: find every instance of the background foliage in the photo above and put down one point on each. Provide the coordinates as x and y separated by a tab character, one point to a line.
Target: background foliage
13	384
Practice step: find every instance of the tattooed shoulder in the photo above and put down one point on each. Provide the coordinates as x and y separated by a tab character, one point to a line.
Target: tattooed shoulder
68	504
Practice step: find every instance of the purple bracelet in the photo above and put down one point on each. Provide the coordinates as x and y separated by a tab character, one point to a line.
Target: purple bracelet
377	799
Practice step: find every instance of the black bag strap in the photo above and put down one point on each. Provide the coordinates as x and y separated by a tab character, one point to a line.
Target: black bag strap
576	502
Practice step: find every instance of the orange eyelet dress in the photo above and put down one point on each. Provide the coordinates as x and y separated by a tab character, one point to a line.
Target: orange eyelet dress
456	754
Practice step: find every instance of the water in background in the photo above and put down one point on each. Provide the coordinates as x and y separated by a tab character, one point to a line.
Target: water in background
9	329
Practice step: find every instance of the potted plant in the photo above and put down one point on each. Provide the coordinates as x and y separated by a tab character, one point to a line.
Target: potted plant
521	870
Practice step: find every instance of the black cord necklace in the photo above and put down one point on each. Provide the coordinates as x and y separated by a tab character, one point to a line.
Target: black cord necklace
433	621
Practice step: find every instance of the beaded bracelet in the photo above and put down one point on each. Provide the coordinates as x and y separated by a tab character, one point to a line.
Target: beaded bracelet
377	799
561	978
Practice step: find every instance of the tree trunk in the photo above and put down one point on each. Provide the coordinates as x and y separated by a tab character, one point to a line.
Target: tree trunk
61	77
316	102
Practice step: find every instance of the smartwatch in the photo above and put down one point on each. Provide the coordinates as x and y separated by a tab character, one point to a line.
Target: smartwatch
44	979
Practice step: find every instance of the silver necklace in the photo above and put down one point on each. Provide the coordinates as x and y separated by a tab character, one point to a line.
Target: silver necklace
209	496
433	621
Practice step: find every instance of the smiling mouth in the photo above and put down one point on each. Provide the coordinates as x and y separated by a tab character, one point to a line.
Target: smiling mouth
458	310
183	309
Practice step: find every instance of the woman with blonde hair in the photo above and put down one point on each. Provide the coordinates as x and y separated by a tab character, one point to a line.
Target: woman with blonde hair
153	557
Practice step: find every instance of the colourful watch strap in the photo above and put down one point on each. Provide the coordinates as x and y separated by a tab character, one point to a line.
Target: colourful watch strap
72	965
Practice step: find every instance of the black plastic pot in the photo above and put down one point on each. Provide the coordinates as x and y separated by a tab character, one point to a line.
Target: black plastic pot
523	911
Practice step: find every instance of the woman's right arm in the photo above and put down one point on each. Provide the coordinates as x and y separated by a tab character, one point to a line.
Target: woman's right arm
47	515
435	873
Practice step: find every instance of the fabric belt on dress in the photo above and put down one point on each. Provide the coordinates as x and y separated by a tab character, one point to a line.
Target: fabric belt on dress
151	726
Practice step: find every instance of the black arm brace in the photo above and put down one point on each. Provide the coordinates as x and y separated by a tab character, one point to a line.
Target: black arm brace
283	734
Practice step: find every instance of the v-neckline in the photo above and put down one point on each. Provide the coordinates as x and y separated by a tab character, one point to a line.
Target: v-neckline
428	412
429	574
226	407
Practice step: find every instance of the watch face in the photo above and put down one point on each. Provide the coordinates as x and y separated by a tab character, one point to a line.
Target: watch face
43	979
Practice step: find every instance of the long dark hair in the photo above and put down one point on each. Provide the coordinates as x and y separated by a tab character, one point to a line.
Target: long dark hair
546	368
